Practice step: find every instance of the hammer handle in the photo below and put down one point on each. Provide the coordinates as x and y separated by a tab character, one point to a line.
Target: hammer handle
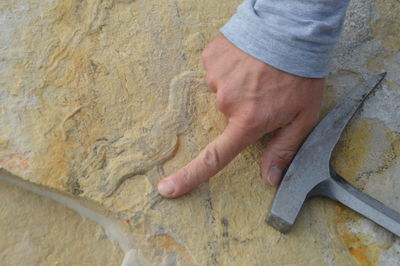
337	188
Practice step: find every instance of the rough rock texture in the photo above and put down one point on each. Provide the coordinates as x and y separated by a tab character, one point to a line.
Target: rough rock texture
36	231
101	99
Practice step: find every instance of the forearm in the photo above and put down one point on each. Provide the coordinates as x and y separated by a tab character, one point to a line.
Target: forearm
296	36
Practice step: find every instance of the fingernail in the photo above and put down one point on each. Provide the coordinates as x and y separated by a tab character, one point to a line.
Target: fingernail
166	187
274	175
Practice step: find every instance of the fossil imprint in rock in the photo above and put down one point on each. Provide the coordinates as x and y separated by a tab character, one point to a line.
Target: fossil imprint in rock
132	155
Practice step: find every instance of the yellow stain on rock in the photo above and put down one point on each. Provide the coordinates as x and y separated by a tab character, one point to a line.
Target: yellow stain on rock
352	149
360	255
351	158
164	244
348	160
363	250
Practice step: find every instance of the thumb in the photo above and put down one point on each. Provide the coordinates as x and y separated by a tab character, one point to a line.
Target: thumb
281	149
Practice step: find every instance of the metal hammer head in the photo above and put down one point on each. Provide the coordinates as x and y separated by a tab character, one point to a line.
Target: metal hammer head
311	165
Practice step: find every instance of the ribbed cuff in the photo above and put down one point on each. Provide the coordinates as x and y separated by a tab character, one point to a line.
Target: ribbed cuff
245	33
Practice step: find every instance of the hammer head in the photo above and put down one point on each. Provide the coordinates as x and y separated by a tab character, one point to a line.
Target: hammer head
311	165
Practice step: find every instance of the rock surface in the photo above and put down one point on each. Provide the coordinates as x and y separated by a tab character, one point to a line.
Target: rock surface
36	231
101	99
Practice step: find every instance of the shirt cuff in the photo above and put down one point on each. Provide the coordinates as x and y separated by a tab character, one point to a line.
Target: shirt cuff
248	34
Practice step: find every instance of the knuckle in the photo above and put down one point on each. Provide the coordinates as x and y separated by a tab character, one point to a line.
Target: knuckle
210	159
249	117
210	79
222	101
248	121
285	155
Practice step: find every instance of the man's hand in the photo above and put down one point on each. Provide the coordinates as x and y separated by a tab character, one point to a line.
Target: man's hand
256	99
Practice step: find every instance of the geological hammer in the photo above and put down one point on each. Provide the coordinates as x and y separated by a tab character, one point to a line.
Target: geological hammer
311	173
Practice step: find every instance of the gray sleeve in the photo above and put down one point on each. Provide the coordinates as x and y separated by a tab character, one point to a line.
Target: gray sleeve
296	36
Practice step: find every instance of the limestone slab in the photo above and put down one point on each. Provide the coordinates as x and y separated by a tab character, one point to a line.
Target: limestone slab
37	231
101	99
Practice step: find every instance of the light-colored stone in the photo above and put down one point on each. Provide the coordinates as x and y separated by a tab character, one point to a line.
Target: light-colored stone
37	231
101	99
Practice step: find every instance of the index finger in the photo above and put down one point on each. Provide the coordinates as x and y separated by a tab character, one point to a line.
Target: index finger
210	161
